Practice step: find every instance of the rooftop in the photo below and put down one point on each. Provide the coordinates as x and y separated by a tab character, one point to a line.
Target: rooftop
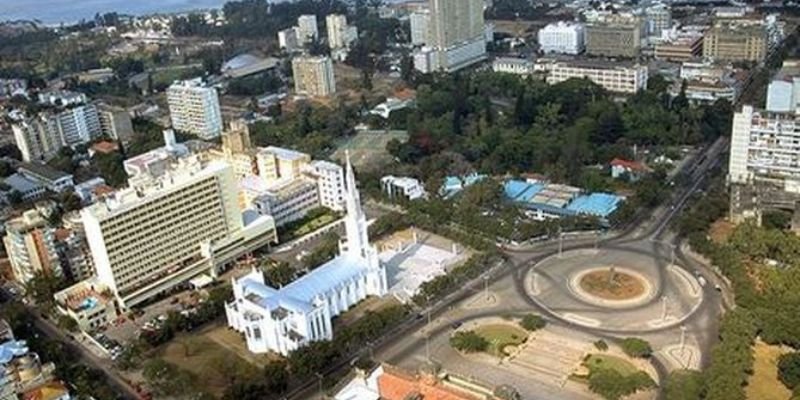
43	171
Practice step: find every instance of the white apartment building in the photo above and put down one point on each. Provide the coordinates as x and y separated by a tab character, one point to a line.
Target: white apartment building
658	18
313	76
330	182
288	200
76	125
307	29
420	21
194	108
284	319
512	65
35	141
457	36
614	77
340	35
764	164
31	247
288	39
562	37
179	218
783	92
87	302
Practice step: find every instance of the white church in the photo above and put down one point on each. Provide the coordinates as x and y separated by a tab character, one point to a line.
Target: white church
284	319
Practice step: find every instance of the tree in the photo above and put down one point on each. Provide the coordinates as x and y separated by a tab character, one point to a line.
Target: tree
601	345
67	323
15	197
468	342
110	167
43	286
532	322
276	374
635	347
612	385
683	385
278	273
789	370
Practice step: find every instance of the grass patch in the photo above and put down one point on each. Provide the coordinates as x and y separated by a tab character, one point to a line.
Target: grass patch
500	335
213	365
763	384
314	220
596	362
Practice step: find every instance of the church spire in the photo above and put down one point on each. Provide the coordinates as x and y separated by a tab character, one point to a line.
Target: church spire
355	221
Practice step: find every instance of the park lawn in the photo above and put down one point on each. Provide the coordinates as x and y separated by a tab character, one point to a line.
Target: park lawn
602	361
763	384
501	335
209	362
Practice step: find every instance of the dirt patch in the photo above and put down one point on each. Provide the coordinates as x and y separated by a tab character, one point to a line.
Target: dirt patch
763	384
720	231
612	285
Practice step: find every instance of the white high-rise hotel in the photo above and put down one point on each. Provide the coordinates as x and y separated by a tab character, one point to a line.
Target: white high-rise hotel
179	218
284	319
457	36
562	37
194	108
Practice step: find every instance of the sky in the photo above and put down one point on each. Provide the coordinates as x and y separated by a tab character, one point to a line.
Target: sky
57	11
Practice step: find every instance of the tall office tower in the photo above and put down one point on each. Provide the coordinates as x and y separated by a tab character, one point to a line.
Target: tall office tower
561	37
77	125
194	108
420	27
313	76
736	40
763	169
31	247
307	29
457	35
35	140
169	226
618	35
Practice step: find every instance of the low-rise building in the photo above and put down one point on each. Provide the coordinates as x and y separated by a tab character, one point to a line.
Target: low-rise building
385	109
630	170
615	77
680	46
115	122
405	187
287	201
783	92
513	65
736	40
28	189
24	376
49	177
544	200
90	303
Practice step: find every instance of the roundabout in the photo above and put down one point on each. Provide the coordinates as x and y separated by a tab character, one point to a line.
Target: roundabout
616	290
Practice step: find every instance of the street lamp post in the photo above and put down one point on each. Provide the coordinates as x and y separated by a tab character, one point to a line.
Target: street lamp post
319	380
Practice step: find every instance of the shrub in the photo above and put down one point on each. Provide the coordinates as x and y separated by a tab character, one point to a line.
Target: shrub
635	347
601	345
612	385
789	369
468	342
532	322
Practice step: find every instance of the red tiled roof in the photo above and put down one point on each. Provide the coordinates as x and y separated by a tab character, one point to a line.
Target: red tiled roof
395	385
105	147
632	165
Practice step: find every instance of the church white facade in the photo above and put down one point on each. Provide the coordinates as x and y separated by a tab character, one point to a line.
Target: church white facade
282	320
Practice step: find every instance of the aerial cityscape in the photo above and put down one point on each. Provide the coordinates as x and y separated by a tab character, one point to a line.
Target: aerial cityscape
399	200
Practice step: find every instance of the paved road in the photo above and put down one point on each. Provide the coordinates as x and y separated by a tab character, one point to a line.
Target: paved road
649	230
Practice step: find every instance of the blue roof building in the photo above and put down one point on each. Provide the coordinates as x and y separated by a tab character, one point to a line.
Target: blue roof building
547	200
455	184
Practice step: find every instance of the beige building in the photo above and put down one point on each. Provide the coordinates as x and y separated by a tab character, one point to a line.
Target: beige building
313	76
172	224
31	247
457	36
35	141
237	150
612	76
115	122
615	36
276	163
680	49
736	41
